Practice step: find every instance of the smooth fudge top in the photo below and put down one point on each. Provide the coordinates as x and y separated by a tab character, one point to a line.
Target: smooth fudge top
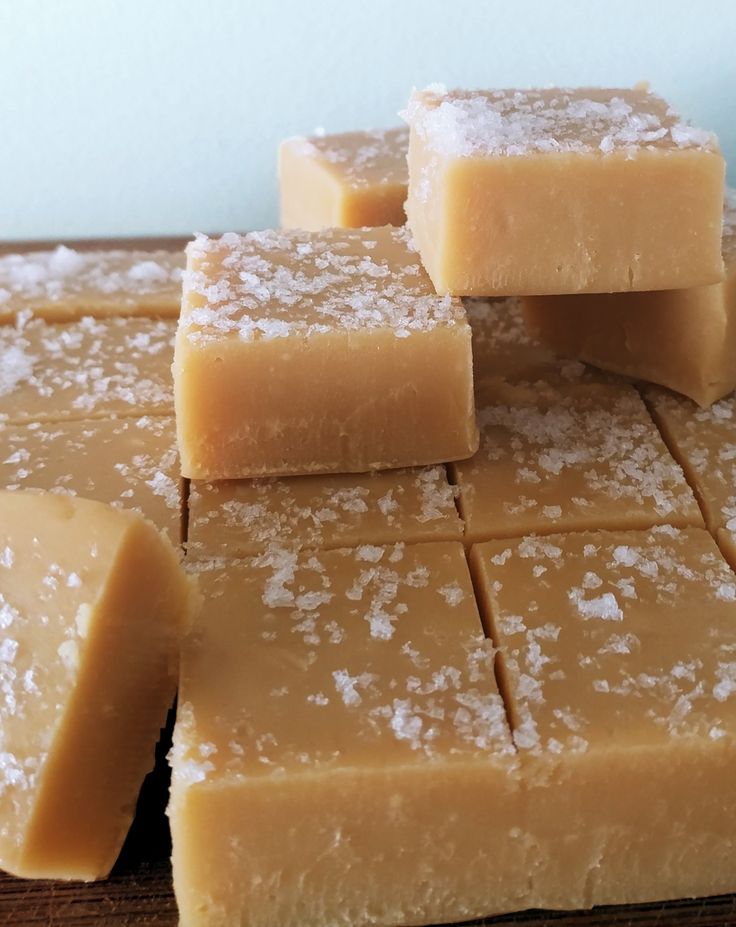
61	274
360	159
476	123
278	284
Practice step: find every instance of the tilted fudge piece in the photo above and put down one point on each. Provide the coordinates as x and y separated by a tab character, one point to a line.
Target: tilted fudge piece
683	339
304	352
515	192
93	604
349	180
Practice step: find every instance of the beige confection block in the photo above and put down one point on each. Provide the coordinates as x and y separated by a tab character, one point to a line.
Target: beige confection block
130	463
349	180
93	604
502	347
683	339
86	369
64	284
516	192
704	442
235	518
375	784
616	661
304	352
568	458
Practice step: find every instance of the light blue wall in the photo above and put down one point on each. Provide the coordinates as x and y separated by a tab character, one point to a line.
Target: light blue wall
156	116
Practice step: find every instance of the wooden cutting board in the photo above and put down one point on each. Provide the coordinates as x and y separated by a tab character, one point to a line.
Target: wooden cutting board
139	891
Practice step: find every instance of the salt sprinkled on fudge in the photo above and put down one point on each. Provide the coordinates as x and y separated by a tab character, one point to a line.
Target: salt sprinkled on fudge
329	352
521	122
366	157
337	284
242	517
57	283
85	369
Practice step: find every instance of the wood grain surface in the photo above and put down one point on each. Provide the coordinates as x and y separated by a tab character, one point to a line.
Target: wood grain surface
139	891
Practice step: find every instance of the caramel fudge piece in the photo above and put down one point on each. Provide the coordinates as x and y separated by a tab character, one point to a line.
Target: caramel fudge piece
86	369
683	339
704	442
561	191
233	518
305	353
375	783
92	604
616	660
503	347
567	458
64	284
349	180
130	463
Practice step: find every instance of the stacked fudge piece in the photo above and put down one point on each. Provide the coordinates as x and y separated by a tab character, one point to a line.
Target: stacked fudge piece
467	633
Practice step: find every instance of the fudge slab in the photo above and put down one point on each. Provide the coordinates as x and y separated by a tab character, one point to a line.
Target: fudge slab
341	752
130	463
87	369
304	352
568	458
65	284
93	605
682	339
347	180
235	518
704	442
617	659
516	192
503	347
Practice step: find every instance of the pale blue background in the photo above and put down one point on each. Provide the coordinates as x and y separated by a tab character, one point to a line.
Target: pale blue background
156	116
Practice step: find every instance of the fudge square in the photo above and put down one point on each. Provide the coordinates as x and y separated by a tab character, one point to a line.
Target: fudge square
516	192
64	284
617	659
341	752
682	339
235	518
568	457
93	605
304	352
91	368
129	463
351	179
704	441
